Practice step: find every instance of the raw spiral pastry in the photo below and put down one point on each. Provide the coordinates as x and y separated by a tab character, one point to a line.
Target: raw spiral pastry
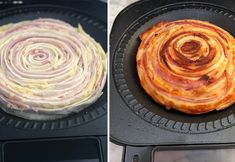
49	69
188	65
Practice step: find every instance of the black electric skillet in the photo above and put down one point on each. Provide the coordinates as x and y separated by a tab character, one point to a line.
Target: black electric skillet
138	122
78	137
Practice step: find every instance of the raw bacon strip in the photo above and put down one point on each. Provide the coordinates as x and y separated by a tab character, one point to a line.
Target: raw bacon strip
188	65
49	69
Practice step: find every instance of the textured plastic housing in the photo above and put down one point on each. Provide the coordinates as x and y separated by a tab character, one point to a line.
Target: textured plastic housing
145	121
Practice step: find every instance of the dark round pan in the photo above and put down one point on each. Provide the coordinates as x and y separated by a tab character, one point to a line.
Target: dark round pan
93	26
126	79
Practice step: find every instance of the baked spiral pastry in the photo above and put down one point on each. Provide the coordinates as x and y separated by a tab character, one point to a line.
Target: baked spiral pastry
49	69
188	65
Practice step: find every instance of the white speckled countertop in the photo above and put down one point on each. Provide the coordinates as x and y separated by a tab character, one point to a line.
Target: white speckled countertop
115	6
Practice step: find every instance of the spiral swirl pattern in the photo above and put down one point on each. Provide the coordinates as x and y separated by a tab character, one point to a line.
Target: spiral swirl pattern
188	65
49	69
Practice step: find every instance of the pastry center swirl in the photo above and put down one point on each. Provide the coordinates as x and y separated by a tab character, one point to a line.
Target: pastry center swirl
188	65
48	65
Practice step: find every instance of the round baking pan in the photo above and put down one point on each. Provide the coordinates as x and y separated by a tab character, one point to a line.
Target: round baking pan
93	26
126	79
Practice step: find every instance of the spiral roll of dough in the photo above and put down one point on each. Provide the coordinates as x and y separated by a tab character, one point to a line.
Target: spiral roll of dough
188	65
49	69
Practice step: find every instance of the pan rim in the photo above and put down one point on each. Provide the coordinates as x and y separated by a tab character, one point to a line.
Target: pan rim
71	120
125	37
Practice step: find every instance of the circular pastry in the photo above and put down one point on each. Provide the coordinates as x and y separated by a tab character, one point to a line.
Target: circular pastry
188	65
49	69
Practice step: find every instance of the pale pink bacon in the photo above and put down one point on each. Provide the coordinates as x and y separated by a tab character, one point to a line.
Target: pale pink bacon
49	69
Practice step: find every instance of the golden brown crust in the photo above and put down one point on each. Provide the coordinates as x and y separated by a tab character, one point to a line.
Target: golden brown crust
188	65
